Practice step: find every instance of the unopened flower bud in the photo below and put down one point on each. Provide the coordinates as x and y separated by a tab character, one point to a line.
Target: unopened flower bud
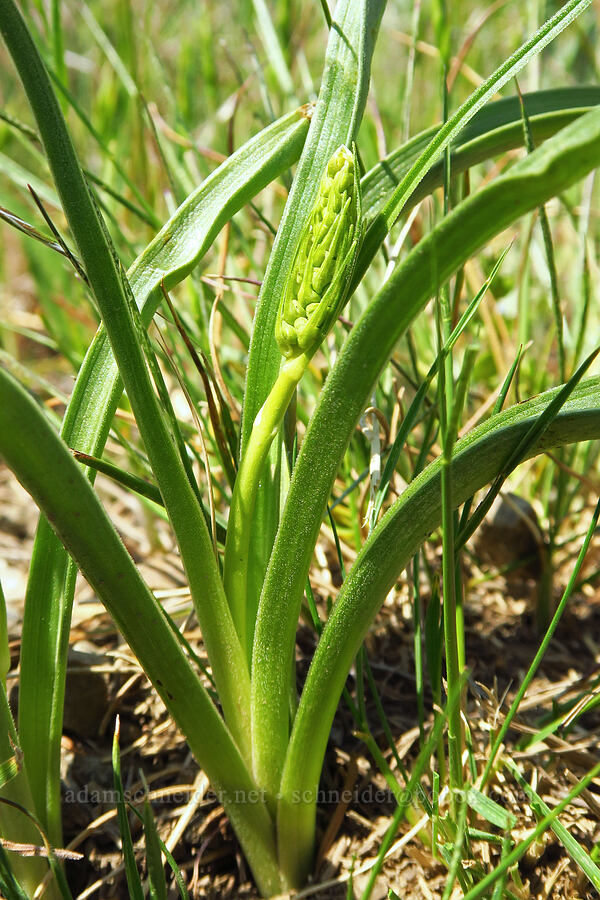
320	276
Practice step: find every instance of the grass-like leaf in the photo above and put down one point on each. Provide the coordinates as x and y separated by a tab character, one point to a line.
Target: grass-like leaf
481	889
494	129
134	882
476	458
31	448
167	260
335	121
577	853
499	738
446	134
561	161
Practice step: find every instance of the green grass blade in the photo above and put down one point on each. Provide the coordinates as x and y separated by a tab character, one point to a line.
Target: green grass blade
482	888
145	209
181	887
135	483
10	887
476	459
409	790
170	257
550	258
558	163
501	881
156	870
494	129
134	882
541	650
443	138
457	853
22	177
111	54
489	810
521	450
414	409
4	645
507	382
127	479
272	46
32	449
577	853
14	788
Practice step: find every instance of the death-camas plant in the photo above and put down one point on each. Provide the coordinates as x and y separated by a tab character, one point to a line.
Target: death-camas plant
313	296
263	761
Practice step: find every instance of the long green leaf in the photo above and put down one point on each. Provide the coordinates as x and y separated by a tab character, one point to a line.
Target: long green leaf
481	889
134	882
541	651
14	787
170	257
448	132
336	120
561	161
476	460
577	853
495	129
32	449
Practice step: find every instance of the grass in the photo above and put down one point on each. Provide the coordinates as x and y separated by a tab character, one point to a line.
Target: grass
164	183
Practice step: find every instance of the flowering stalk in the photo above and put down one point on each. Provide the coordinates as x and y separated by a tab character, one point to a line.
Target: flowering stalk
317	286
314	295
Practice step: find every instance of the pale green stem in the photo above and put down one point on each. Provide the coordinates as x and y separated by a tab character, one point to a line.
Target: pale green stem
239	528
452	615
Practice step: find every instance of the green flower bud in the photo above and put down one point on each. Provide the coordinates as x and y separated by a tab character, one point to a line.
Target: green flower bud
320	275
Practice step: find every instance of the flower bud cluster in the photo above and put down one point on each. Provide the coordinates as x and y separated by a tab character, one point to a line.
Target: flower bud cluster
320	275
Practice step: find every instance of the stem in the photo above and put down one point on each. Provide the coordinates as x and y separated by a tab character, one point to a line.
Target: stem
239	529
418	644
450	621
447	429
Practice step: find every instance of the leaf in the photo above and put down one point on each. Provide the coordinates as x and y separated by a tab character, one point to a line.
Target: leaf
560	162
476	459
489	810
31	448
336	120
446	134
156	870
169	258
494	129
577	853
434	641
134	882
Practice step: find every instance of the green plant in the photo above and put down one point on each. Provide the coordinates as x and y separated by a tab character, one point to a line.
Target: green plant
264	766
